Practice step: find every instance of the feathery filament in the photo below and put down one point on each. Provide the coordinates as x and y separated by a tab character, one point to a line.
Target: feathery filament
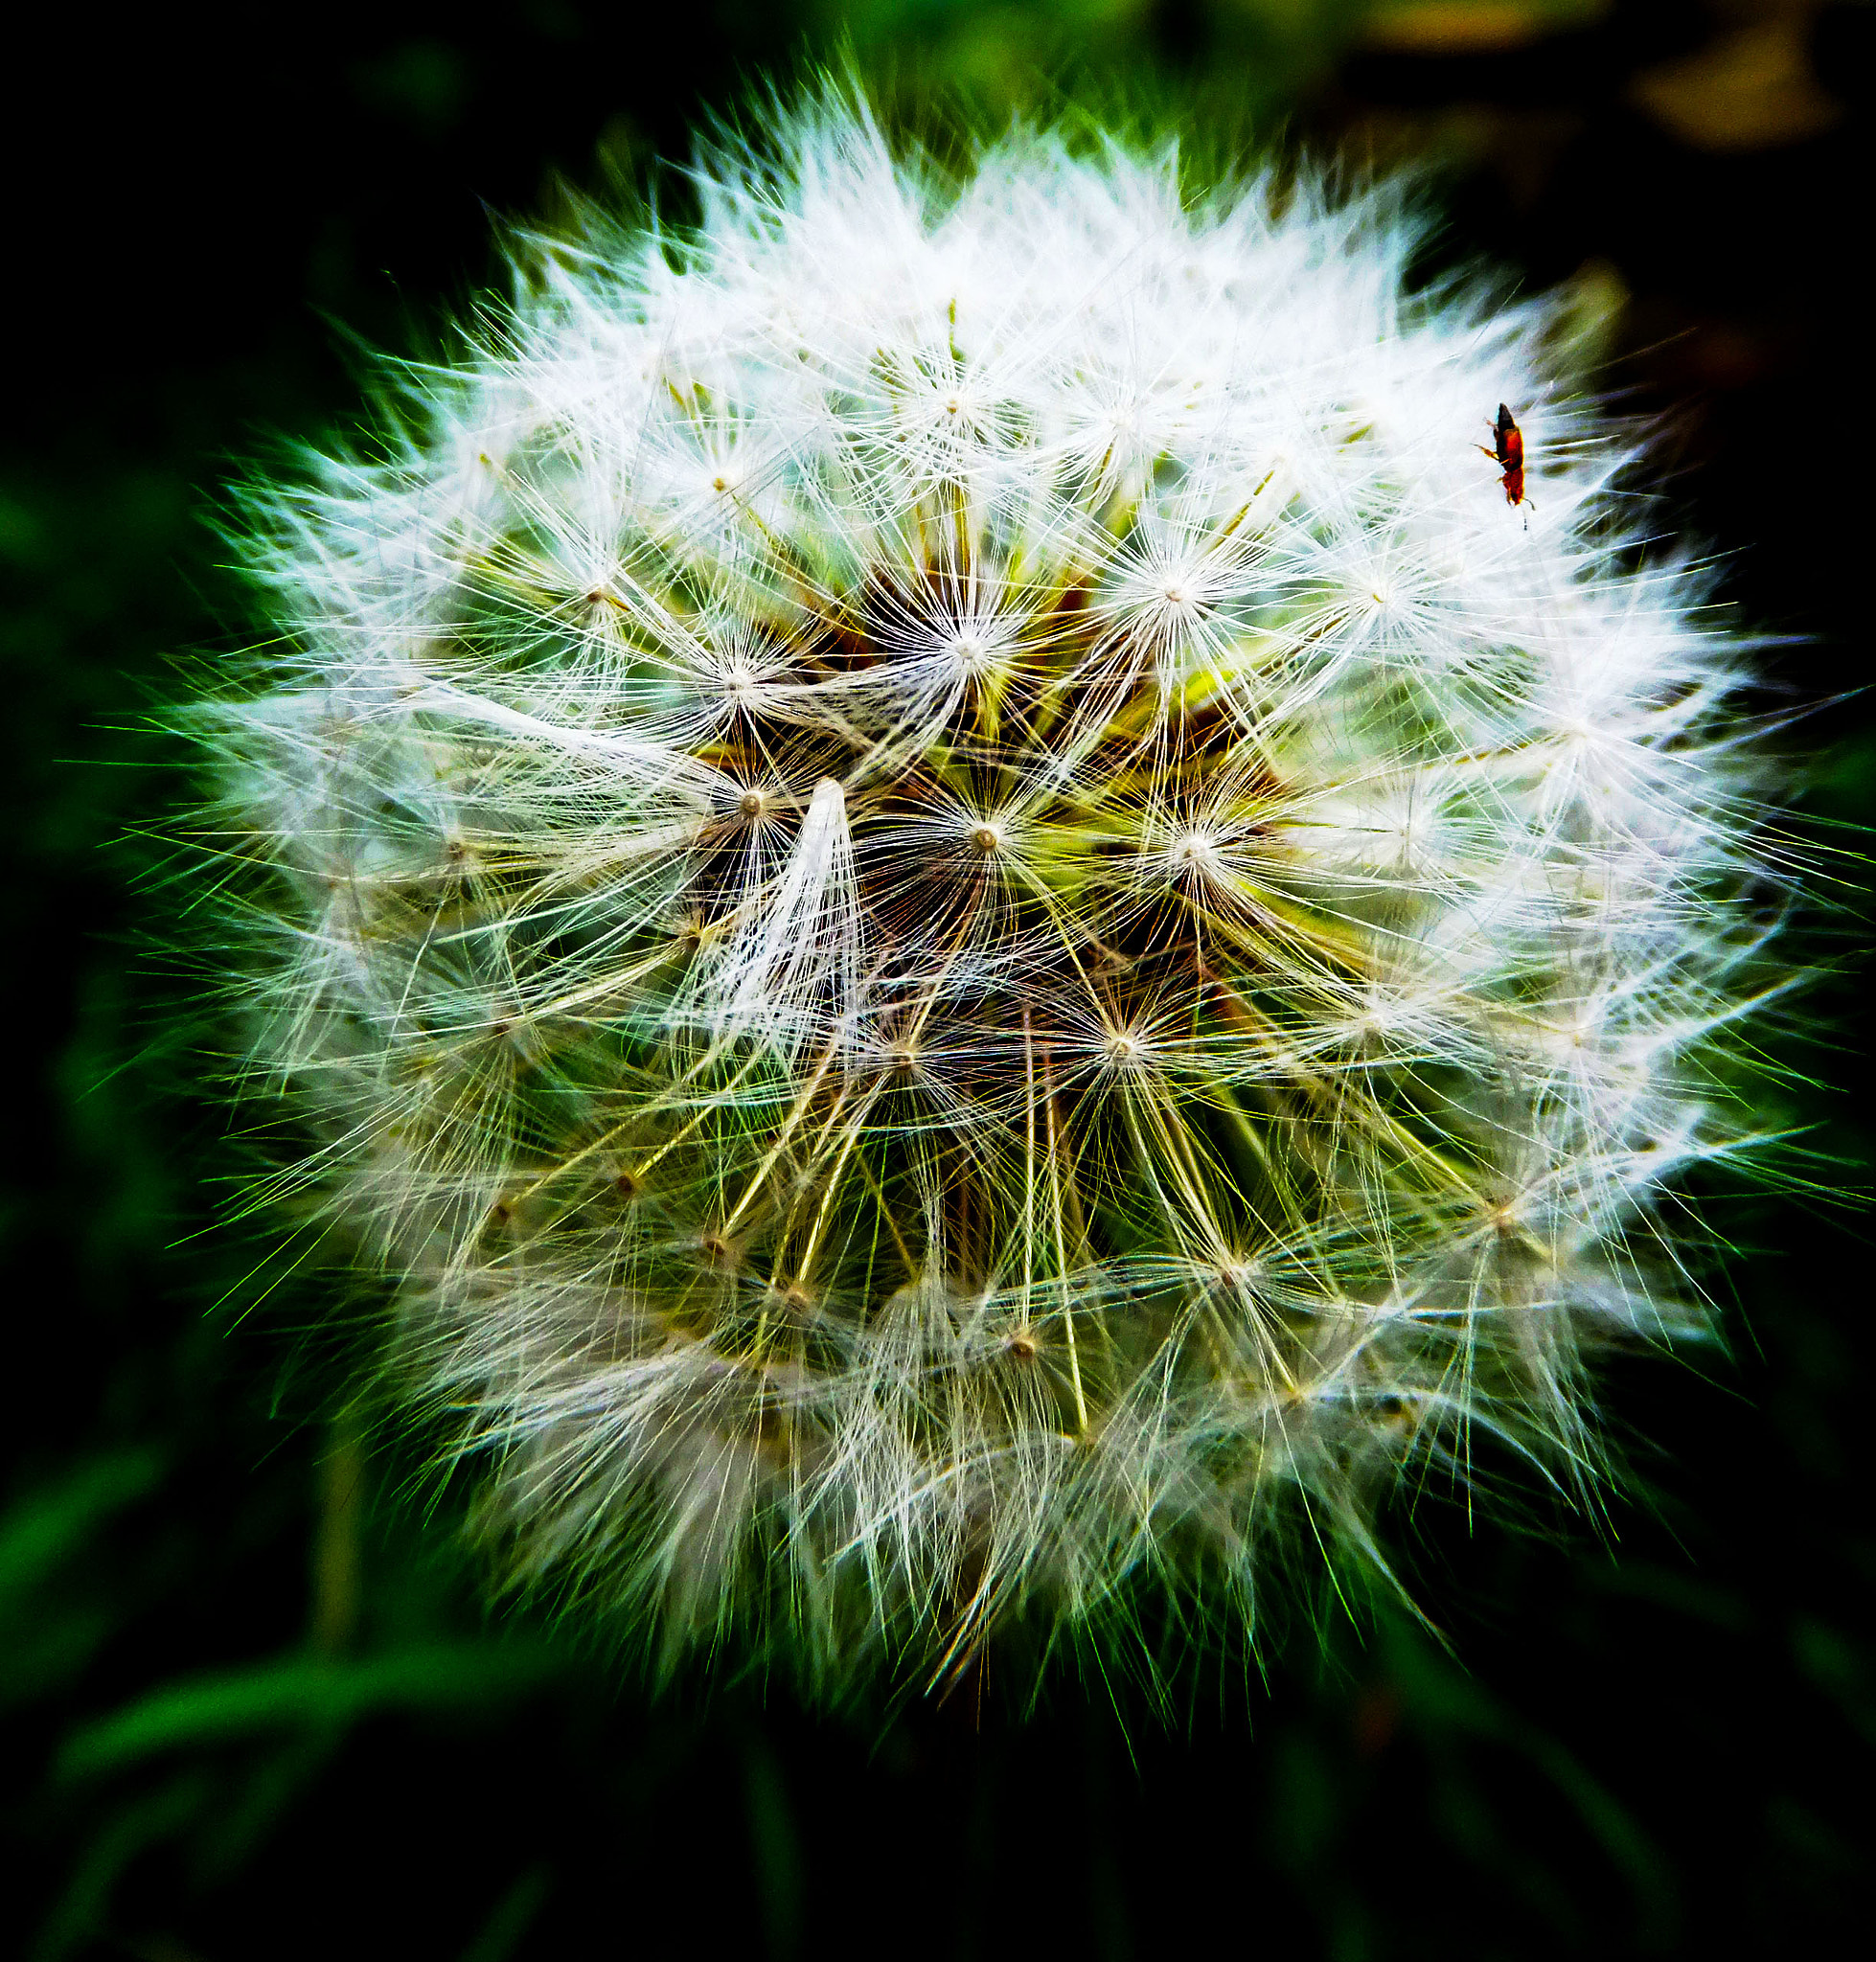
966	919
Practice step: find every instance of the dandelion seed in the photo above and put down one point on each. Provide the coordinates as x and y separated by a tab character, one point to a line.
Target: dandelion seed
972	930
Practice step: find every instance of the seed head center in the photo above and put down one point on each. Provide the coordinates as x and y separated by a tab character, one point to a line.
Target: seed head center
1195	849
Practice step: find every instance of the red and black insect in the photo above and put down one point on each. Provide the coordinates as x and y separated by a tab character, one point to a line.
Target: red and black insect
1508	453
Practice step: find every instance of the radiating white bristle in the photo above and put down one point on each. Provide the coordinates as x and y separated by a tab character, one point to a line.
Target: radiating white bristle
971	923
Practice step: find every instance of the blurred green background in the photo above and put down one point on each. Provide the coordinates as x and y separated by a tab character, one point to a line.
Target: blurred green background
251	1702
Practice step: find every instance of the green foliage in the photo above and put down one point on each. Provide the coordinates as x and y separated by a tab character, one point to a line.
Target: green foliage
313	1695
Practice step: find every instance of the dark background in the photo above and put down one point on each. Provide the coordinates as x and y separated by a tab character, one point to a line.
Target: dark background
251	1702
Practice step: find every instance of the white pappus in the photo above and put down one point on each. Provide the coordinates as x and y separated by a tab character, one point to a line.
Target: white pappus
975	935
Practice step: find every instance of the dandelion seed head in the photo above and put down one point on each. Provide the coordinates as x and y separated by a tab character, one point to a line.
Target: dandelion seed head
973	931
